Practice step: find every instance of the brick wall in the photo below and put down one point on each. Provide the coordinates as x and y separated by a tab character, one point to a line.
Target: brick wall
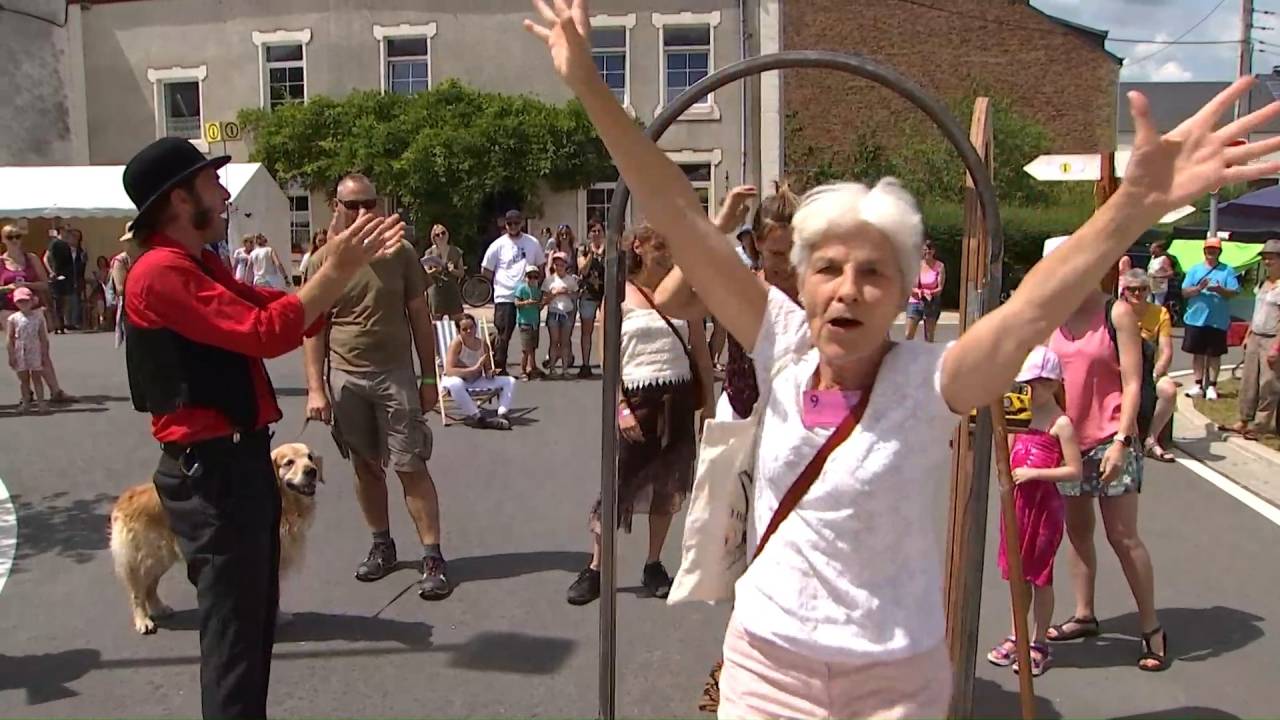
1059	76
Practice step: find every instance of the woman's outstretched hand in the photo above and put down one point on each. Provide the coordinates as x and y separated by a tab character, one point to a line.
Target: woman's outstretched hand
1168	171
566	29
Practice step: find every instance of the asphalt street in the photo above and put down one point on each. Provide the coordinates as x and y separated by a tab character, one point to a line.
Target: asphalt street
506	643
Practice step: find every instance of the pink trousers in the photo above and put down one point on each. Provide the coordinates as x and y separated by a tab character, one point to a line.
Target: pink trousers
762	681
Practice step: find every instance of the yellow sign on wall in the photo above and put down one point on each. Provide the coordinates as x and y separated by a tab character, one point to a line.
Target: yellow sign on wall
221	132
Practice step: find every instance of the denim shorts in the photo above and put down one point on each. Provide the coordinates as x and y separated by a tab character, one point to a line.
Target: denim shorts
587	309
1129	480
556	319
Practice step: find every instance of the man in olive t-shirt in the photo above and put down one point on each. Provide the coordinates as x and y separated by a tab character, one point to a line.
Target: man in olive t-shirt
378	406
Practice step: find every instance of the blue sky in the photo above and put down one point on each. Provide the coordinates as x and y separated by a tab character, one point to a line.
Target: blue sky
1165	20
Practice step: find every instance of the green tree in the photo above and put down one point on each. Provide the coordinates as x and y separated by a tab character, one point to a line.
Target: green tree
453	155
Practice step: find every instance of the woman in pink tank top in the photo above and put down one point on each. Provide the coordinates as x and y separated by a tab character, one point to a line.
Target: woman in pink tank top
1103	389
925	302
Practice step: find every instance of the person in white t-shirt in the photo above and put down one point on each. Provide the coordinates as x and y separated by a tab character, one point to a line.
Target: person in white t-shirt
1159	272
504	265
842	613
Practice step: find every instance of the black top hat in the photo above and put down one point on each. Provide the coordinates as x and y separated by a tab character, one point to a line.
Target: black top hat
160	166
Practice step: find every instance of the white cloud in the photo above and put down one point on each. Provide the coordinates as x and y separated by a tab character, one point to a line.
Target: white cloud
1171	71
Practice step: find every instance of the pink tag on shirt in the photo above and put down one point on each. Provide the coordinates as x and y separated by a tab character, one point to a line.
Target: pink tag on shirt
827	408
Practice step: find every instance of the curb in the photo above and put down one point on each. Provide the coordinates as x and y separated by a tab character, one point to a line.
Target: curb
1186	408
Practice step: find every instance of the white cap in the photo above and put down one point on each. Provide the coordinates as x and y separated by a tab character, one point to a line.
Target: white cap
1041	362
1052	244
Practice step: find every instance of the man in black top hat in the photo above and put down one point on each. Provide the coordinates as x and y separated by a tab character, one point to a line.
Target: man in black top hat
195	343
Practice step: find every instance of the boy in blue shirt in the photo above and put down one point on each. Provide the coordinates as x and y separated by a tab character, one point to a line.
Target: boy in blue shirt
1208	289
528	320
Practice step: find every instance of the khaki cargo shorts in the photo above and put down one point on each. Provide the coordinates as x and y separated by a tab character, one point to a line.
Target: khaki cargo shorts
378	417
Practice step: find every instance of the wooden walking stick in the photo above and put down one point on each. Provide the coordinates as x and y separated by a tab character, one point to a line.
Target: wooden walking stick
1018	587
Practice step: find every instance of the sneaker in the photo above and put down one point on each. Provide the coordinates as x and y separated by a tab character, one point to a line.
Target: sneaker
586	588
1195	392
656	580
1211	393
434	584
379	564
585	372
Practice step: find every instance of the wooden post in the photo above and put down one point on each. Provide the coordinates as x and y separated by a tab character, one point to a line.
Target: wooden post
968	508
1019	588
1102	191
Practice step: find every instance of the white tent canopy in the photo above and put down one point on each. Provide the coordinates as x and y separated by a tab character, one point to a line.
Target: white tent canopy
83	191
89	192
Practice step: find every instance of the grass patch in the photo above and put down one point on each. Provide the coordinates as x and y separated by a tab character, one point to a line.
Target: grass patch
1226	409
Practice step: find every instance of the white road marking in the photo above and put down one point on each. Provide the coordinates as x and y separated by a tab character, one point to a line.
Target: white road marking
8	534
1223	483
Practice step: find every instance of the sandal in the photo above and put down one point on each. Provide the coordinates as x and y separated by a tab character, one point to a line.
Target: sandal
1085	627
1161	659
1041	659
1239	429
1003	655
1155	452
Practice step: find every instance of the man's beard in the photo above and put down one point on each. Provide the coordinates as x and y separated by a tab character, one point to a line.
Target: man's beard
208	224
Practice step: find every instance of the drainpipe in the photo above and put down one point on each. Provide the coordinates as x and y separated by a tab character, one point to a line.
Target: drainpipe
744	124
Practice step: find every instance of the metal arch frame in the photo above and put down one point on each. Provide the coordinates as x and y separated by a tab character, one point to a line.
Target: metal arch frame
615	277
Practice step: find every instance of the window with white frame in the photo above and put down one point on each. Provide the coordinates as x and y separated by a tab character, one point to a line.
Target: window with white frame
600	197
609	50
699	174
179	103
282	61
686	57
286	74
408	64
405	52
686	54
300	222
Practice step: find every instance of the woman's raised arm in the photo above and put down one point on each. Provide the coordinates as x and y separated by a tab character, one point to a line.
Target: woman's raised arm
1164	172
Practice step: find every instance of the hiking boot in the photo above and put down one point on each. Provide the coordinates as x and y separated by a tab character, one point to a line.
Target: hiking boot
586	588
656	580
379	564
434	585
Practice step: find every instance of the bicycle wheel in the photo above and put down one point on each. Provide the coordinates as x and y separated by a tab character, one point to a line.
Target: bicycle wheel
477	291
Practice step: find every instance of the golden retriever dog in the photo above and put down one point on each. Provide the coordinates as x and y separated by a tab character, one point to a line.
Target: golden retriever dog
144	548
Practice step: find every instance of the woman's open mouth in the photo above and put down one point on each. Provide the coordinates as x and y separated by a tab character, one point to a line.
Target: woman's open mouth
844	323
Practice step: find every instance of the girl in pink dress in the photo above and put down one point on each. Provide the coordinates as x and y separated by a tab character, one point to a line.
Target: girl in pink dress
1042	456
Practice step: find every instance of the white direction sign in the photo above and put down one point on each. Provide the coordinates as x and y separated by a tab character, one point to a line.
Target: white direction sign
1073	168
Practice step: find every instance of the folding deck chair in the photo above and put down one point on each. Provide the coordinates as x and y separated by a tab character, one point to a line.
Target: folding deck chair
446	331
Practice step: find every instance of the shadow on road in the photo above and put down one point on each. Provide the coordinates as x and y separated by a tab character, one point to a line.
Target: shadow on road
509	565
72	529
507	652
1180	713
1195	635
46	678
992	701
307	627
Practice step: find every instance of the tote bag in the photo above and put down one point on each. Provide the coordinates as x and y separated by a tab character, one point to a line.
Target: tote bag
714	550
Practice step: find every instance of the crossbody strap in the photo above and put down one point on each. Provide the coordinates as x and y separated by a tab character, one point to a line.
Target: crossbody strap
693	367
811	471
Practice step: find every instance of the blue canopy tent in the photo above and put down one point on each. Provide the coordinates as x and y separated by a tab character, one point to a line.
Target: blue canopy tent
1254	217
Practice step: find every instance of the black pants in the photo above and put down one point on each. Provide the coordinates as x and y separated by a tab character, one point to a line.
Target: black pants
224	507
504	321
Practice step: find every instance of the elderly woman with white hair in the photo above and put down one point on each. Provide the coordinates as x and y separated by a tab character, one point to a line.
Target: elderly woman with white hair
841	615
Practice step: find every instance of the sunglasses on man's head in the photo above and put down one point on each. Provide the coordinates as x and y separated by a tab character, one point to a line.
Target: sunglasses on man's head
354	205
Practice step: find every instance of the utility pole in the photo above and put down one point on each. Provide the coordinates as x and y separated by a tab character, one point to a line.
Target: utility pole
1245	68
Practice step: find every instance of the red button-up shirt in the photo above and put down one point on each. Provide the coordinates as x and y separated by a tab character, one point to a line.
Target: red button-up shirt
167	289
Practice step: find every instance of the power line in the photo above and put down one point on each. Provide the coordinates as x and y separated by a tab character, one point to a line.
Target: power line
1176	40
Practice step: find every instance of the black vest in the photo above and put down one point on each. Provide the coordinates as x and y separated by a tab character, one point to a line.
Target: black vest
168	371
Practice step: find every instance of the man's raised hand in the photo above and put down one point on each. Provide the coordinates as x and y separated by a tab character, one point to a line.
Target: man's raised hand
368	238
565	28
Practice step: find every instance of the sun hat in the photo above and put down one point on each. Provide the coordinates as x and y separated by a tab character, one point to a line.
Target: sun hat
1041	363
